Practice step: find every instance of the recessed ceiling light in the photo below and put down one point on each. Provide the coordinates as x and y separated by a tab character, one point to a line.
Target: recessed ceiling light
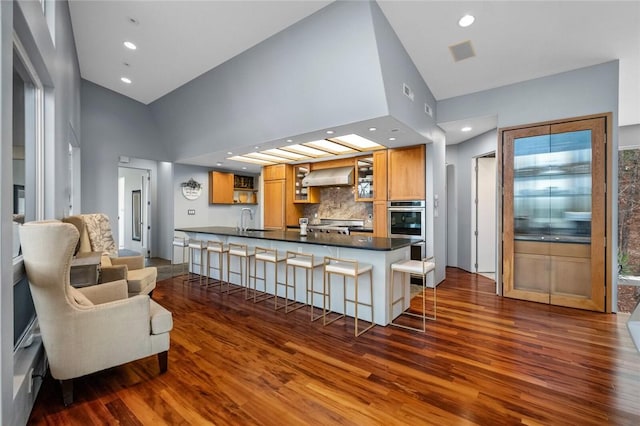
392	139
134	21
125	80
466	20
372	129
330	132
218	164
130	45
466	129
244	168
229	153
289	140
357	142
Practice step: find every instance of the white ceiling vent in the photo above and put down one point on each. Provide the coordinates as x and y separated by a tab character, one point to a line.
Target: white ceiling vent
462	51
428	110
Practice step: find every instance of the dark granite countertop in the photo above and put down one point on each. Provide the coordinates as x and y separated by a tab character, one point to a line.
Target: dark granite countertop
336	240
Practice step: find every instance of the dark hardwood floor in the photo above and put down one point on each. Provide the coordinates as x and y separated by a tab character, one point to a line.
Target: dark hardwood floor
486	360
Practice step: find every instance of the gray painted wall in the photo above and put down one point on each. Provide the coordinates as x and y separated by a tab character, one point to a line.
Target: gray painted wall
113	126
57	67
398	69
321	72
585	91
206	214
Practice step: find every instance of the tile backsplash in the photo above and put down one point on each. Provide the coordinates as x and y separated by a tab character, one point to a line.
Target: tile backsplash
338	203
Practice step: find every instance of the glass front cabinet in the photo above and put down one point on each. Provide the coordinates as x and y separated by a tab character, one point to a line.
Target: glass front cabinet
303	194
554	213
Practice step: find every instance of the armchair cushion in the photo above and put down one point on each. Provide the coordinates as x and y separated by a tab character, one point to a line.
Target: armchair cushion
132	262
142	281
79	298
161	320
107	292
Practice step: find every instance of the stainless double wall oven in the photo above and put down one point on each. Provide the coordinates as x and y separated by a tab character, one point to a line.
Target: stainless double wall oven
406	219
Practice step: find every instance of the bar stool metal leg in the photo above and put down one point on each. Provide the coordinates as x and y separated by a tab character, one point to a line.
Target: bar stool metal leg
217	249
307	262
199	247
272	256
183	244
244	254
349	268
412	267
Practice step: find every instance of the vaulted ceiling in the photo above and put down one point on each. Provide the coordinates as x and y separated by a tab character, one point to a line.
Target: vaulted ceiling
512	41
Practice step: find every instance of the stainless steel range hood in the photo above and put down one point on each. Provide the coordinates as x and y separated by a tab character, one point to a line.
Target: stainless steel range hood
329	177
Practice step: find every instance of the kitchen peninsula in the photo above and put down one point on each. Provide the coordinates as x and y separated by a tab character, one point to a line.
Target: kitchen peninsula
380	252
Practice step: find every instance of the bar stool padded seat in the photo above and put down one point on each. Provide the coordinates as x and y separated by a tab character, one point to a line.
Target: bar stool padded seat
347	269
417	267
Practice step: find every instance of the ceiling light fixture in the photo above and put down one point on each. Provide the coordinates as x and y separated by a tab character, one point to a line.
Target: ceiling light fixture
357	142
125	80
466	20
466	129
289	140
330	132
218	164
229	153
130	45
372	129
392	139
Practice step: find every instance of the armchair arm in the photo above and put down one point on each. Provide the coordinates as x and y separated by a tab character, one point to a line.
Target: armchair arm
107	292
106	335
113	273
132	262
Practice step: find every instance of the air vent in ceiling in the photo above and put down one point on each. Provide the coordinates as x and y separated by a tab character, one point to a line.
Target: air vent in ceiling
428	110
462	51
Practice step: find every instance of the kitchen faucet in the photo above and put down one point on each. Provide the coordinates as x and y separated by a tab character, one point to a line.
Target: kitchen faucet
243	227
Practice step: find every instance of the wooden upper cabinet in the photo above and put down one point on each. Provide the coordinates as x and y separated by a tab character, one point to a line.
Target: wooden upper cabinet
277	171
220	187
406	173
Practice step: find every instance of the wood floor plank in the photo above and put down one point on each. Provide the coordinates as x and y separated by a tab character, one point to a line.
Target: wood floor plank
485	360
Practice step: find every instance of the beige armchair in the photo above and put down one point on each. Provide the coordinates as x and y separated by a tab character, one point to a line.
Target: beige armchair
89	329
95	235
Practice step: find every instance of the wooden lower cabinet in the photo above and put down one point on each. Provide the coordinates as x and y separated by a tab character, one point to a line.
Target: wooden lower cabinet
274	203
380	228
554	273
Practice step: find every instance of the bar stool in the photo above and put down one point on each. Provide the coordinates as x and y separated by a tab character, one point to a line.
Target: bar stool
308	262
413	267
218	249
266	255
243	253
183	243
347	268
198	247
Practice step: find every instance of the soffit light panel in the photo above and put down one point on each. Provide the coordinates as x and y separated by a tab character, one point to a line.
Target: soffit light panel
266	157
357	142
333	147
285	154
251	160
341	145
306	150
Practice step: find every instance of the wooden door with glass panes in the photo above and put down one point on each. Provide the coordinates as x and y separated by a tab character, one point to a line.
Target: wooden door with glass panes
554	213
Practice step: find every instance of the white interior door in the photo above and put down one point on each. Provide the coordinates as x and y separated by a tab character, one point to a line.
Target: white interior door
486	215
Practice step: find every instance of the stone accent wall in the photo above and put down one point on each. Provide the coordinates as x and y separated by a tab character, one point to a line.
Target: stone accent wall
338	203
